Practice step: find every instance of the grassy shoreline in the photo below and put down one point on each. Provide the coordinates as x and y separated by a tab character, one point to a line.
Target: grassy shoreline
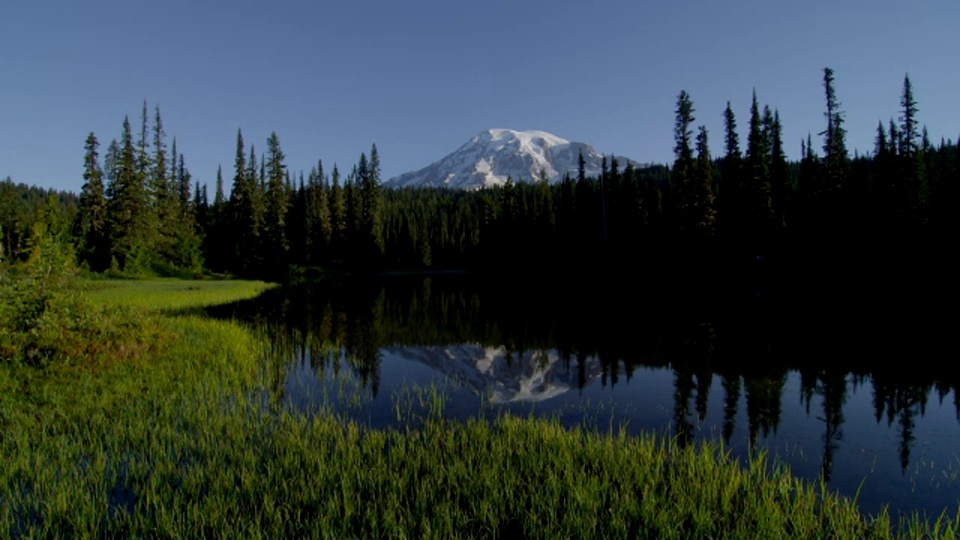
161	434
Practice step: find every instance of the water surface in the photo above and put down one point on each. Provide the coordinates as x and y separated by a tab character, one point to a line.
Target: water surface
750	369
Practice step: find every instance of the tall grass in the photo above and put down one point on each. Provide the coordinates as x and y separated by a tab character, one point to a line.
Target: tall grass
172	444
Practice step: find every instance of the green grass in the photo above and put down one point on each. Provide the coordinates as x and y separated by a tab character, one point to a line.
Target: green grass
170	294
174	442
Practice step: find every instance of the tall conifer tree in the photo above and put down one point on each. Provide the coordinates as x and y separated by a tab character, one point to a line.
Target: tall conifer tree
126	207
836	160
682	176
275	238
91	222
373	204
733	207
703	199
757	163
779	173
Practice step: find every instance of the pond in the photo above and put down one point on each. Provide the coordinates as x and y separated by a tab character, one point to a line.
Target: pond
845	389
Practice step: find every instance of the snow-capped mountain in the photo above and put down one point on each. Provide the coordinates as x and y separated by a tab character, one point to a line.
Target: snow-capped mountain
492	156
503	377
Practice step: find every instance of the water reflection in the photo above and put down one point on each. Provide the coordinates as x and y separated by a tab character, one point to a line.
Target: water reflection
503	376
519	344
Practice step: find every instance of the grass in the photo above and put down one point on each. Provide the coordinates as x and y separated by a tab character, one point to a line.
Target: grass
170	294
170	442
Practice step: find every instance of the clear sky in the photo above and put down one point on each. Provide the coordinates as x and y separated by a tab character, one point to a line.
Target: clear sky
419	78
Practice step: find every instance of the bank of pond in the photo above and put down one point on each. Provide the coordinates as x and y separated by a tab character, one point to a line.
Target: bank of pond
423	407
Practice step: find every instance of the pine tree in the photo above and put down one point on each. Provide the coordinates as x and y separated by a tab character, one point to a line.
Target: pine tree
731	192
275	239
318	220
338	212
161	192
322	208
354	204
126	208
216	235
143	174
257	189
883	179
111	159
244	212
91	221
188	243
910	157
908	120
201	208
238	209
682	176
373	205
757	165
143	147
703	197
779	174
836	161
880	145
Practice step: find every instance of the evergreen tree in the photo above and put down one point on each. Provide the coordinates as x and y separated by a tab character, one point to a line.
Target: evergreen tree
683	163
217	233
91	222
836	161
275	239
908	121
354	204
321	204
126	208
319	227
373	204
257	189
142	176
218	199
779	174
188	245
880	145
757	173
244	210
111	159
143	148
163	202
184	184
201	208
238	208
913	181
703	197
731	193
159	152
338	212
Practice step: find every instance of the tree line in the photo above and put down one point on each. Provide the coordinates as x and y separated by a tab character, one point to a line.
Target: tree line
140	211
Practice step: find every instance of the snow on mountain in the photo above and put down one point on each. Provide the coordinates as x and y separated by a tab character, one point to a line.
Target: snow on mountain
503	377
492	156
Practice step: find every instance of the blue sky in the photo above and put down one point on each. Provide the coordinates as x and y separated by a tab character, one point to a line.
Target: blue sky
419	78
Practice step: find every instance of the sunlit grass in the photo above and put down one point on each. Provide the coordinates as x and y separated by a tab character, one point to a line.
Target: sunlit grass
171	294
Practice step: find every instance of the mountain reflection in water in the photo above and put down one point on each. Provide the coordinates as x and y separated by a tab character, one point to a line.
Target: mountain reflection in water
503	376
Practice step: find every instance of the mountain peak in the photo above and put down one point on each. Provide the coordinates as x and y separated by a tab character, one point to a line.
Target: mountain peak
538	138
495	155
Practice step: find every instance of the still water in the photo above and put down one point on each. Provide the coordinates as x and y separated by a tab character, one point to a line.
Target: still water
856	394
